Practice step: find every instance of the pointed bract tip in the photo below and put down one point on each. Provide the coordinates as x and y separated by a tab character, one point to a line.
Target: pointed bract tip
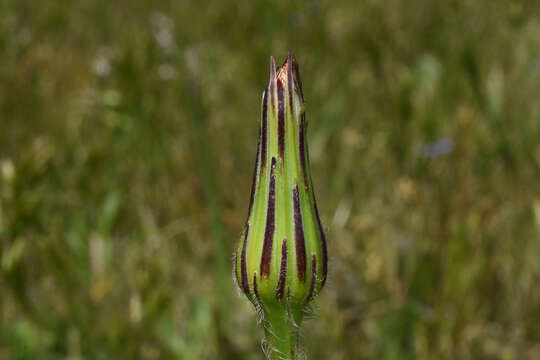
289	75
290	65
272	68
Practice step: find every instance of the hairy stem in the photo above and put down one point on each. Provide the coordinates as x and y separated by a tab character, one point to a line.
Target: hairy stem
282	335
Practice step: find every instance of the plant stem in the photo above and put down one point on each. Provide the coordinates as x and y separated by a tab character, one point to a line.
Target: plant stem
282	335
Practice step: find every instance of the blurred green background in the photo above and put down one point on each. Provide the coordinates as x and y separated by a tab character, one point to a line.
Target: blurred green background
128	133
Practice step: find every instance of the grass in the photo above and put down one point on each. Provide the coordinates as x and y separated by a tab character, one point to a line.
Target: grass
127	138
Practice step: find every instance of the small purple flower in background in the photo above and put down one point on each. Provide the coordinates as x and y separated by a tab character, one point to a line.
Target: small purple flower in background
440	147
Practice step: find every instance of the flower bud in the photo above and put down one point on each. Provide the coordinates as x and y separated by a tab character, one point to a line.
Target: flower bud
281	261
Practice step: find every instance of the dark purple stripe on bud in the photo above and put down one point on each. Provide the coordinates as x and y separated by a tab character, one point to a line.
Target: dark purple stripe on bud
255	288
298	81
281	119
323	245
270	225
313	277
299	237
282	271
243	260
264	129
290	81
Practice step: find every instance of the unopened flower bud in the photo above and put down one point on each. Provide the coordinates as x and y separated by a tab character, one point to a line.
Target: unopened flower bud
281	261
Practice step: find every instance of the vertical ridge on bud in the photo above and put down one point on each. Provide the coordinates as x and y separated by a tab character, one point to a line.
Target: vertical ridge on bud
299	237
282	271
290	80
302	147
308	183
254	180
243	261
264	129
272	81
270	224
281	119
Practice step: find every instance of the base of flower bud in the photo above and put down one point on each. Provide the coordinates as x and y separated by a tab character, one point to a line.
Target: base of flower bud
282	333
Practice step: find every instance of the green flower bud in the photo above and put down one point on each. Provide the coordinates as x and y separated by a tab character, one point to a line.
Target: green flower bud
281	261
